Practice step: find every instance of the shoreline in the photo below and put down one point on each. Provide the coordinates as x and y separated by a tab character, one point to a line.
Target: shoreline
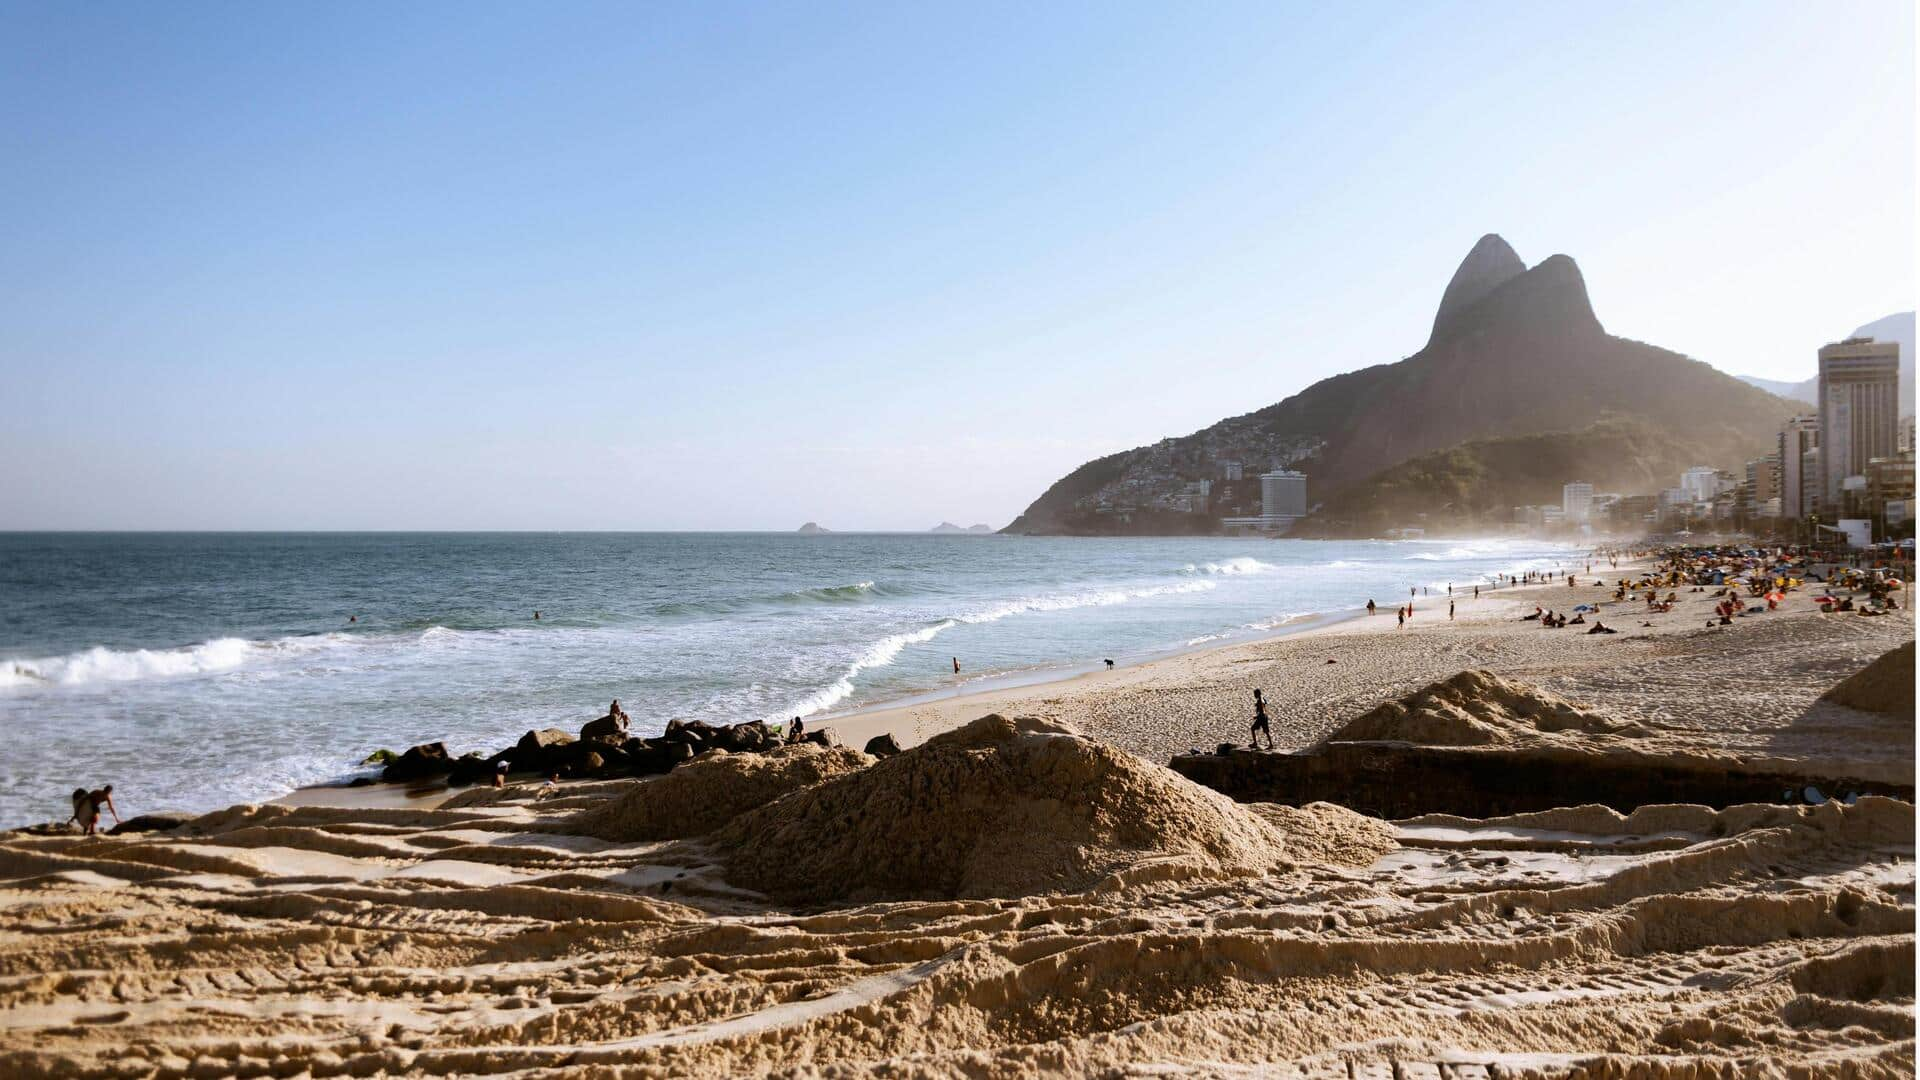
917	717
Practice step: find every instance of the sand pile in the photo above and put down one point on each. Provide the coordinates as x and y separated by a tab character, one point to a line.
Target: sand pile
1477	708
702	795
998	808
1884	686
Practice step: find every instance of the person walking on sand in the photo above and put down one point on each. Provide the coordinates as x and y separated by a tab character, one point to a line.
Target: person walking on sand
1370	608
86	808
1261	725
1403	619
1449	611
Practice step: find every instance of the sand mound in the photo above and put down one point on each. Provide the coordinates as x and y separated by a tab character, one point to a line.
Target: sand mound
998	808
1324	834
1476	708
704	794
1884	686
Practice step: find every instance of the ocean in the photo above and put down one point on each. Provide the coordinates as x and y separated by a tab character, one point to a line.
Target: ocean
195	670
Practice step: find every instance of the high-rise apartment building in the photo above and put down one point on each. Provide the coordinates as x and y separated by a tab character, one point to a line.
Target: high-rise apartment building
1859	410
1801	434
1576	503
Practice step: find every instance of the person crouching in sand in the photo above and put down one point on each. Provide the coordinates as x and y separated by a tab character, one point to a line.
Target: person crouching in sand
1261	725
86	808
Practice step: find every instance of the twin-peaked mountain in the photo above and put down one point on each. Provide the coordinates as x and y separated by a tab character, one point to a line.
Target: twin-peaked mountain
1514	351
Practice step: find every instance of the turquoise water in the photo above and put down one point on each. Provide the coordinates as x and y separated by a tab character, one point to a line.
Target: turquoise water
195	670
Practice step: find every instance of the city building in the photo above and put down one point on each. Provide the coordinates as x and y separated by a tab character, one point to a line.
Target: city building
1232	470
1801	434
1859	410
1702	483
1889	481
1283	499
1906	433
1763	480
1576	503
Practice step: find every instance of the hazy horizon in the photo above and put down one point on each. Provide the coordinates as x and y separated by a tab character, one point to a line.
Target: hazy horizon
610	269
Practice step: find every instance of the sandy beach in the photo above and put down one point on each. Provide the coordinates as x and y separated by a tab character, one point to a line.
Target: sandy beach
1042	895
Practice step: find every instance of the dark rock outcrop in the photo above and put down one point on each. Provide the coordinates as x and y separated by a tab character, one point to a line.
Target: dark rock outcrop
883	745
423	762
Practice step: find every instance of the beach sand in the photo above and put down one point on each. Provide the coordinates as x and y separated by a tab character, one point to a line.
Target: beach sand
1009	899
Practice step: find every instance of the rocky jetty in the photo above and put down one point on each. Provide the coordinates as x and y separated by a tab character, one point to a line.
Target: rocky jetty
604	749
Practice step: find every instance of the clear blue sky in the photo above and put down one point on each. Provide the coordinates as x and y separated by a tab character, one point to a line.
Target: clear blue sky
717	266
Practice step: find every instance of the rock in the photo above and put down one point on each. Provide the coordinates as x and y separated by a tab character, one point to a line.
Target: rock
591	762
609	728
824	737
538	751
150	823
421	762
469	769
883	745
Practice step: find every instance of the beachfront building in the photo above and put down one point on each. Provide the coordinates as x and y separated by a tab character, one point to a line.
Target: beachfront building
1906	433
1889	480
1702	483
1283	499
1859	410
1576	503
1801	434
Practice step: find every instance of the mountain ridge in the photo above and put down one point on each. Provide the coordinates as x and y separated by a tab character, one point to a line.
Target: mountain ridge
1511	354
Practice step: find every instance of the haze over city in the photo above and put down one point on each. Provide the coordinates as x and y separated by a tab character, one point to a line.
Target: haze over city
607	267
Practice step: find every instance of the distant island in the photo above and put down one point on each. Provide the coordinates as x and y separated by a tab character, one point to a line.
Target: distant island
812	528
950	527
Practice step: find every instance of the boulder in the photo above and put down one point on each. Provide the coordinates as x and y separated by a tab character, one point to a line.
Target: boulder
538	751
824	737
469	769
534	744
421	762
150	823
883	745
609	728
695	733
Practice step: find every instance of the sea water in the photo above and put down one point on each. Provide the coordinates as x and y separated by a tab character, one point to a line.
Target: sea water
192	671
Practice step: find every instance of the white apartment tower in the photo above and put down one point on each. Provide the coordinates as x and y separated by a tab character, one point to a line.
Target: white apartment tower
1283	498
1576	503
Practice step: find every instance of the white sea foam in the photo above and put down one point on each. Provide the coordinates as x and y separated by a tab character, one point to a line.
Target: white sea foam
879	654
1240	565
882	653
100	664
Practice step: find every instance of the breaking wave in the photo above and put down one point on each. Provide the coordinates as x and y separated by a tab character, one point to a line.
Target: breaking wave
882	652
1242	565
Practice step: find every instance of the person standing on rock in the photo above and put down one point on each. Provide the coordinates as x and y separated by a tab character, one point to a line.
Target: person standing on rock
1261	725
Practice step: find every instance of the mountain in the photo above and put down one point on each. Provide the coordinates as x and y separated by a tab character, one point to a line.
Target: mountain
983	529
1807	390
1892	328
946	527
1475	485
811	529
1514	351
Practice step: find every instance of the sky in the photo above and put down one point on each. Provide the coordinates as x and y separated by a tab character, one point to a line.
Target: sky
721	266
